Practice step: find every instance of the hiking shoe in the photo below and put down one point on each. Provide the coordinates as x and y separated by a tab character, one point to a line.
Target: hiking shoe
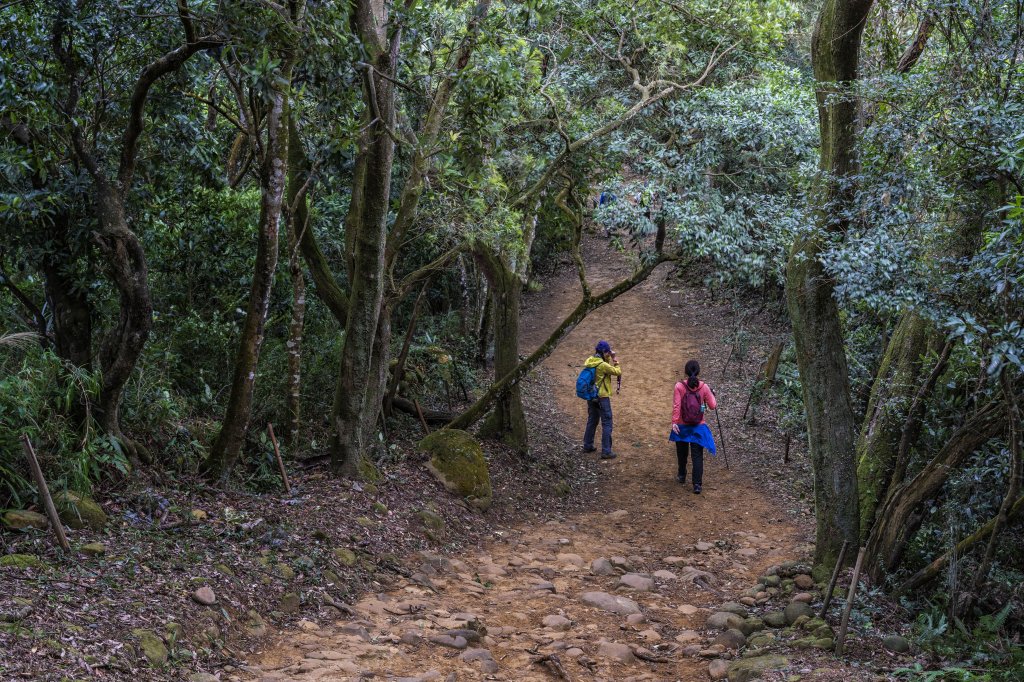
696	489
681	478
608	455
589	450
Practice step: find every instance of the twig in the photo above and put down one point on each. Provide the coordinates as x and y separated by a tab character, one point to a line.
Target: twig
44	494
344	608
553	664
841	639
835	571
280	462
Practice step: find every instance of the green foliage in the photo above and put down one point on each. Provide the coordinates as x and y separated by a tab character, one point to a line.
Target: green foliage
980	653
726	178
43	398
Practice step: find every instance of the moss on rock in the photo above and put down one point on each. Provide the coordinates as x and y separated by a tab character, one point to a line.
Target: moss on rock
17	519
345	556
152	647
457	460
748	669
79	511
21	561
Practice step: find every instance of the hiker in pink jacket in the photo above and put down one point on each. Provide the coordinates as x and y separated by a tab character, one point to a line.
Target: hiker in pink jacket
690	432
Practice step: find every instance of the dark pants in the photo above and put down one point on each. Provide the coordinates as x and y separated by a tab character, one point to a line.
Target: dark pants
599	410
698	460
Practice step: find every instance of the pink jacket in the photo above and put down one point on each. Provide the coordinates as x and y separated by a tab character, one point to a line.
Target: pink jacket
706	396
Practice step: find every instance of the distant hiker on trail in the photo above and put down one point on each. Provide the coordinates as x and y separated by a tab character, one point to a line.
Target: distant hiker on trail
690	433
595	386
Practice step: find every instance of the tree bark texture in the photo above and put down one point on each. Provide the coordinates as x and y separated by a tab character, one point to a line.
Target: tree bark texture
297	223
326	286
892	393
227	446
69	306
125	260
126	265
372	252
817	330
899	516
366	232
507	422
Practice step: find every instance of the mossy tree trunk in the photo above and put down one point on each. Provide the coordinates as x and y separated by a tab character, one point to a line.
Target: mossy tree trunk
817	330
123	256
297	222
273	176
372	252
892	392
900	515
366	234
507	422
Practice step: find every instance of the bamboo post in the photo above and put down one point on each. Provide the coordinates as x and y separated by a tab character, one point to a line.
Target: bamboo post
841	639
426	429
44	494
280	462
835	571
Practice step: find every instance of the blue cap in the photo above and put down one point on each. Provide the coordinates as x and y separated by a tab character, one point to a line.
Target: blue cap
603	347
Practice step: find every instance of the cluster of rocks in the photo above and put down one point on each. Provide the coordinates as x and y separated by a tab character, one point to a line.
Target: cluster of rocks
542	600
753	630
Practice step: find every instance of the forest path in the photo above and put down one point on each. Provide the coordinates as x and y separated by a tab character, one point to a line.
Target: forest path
536	593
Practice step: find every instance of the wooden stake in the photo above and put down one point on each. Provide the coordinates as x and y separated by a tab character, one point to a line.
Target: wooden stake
785	455
44	494
280	462
841	639
426	429
835	571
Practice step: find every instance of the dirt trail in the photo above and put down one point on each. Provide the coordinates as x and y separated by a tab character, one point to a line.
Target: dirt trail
526	590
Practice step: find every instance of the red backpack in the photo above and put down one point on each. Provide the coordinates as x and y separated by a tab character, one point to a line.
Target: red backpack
692	412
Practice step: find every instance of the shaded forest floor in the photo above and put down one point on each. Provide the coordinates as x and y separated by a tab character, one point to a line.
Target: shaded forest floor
381	579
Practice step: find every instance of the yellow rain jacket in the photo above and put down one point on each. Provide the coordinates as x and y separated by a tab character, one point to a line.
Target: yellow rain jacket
603	375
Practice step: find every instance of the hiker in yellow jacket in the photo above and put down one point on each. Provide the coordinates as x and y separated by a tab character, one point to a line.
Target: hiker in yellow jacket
605	367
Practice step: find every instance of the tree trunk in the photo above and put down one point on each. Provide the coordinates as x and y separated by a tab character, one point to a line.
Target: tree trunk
69	306
484	328
126	262
367	234
297	223
377	379
892	392
398	372
273	172
507	422
899	517
817	330
125	259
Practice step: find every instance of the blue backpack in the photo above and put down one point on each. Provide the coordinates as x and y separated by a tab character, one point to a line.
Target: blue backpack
586	384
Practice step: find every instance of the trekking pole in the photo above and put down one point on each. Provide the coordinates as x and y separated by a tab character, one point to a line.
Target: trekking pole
721	436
